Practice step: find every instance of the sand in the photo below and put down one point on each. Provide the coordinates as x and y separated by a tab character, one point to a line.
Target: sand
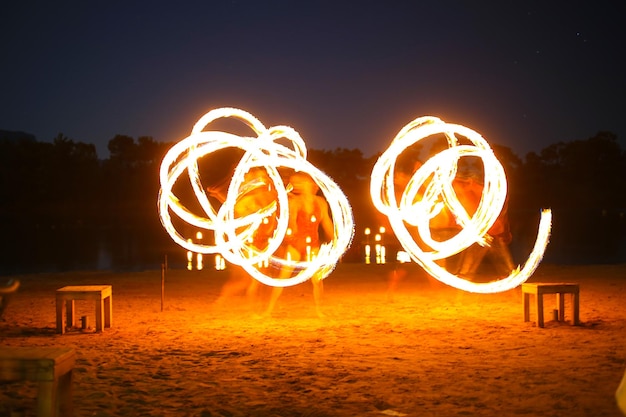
430	350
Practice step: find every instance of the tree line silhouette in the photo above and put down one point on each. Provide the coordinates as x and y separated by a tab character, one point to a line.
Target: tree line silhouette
51	188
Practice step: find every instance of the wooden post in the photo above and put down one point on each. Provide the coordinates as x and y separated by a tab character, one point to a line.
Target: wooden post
162	285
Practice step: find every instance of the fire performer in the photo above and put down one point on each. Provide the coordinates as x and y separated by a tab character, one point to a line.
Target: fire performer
257	193
308	213
499	236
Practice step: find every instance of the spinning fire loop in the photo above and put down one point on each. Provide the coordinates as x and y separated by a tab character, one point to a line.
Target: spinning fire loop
233	232
429	192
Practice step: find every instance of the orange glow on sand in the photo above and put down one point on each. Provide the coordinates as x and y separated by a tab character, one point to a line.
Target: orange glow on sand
367	351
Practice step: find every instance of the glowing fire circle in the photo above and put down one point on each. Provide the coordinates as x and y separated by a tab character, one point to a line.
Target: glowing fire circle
429	191
231	232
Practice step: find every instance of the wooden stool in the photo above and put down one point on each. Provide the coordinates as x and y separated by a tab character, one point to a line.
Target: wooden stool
101	294
541	288
50	367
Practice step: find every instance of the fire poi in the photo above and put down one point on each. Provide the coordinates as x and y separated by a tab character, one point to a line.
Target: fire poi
430	191
233	232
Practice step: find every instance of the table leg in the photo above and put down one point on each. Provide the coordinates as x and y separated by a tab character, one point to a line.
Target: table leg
99	314
69	308
65	404
60	326
46	396
561	300
526	306
575	306
108	311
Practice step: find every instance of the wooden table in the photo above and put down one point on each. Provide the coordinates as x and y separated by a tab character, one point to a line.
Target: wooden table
101	294
560	289
49	366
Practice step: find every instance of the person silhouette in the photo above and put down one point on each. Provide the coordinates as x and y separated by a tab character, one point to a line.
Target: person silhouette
256	195
310	225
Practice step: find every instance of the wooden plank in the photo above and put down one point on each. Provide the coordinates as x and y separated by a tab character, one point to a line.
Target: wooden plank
50	367
35	364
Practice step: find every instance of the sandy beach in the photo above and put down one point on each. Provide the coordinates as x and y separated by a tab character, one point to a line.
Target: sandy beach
425	350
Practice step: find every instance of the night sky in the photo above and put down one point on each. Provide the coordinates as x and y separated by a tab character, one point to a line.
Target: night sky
349	74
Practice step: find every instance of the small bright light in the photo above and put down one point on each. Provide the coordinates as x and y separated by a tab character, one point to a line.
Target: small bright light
403	257
199	262
220	263
430	190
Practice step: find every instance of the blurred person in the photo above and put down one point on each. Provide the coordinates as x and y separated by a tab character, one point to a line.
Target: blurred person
398	274
256	194
308	218
499	238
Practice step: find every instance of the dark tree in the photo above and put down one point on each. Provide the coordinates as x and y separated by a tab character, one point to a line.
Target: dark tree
583	182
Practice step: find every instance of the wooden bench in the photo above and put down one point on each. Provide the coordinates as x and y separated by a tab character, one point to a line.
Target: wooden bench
560	289
101	294
50	367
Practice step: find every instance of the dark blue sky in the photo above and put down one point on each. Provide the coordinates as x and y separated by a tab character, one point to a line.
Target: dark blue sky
343	73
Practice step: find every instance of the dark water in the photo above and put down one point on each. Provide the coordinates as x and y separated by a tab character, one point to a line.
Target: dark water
129	248
59	249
